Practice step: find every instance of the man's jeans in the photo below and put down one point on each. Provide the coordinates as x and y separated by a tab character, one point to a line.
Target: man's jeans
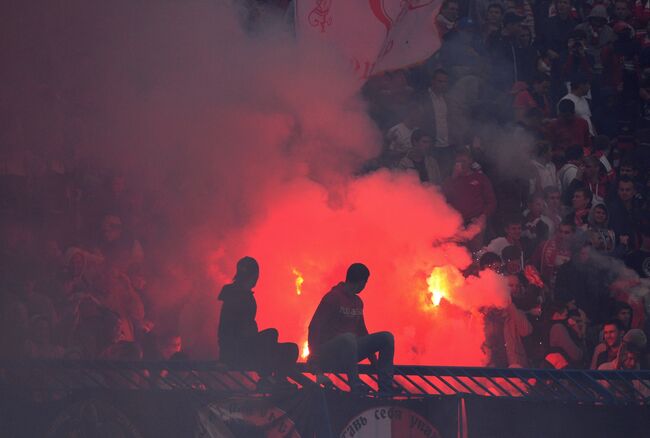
346	350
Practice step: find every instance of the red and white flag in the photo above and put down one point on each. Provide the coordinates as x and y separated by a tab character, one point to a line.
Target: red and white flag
376	35
412	37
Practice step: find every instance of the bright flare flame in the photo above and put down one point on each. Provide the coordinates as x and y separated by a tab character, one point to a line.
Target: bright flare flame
299	281
304	354
442	281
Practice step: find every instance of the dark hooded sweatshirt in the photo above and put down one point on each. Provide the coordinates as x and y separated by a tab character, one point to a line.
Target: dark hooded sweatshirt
338	312
237	320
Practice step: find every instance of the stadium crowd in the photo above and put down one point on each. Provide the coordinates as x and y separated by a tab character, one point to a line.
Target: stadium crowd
534	120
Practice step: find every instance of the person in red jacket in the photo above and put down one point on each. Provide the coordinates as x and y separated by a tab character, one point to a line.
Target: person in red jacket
471	193
339	339
569	129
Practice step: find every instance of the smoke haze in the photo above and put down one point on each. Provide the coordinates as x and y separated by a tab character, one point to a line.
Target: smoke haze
250	145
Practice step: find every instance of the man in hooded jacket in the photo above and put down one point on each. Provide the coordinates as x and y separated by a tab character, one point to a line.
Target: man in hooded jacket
241	345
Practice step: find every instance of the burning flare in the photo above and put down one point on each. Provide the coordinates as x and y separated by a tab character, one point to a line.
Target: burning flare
304	353
299	281
442	281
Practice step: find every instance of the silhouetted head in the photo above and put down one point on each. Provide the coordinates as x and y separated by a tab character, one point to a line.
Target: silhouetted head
248	272
566	109
357	277
490	260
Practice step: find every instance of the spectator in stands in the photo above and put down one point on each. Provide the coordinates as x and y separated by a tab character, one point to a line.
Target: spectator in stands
338	336
590	177
490	260
546	174
602	237
435	119
448	16
621	70
117	246
580	208
639	259
115	291
622	13
502	49
535	95
554	209
526	53
623	312
515	327
608	350
570	170
554	253
583	285
537	227
241	344
555	31
580	88
568	129
398	138
169	344
470	192
565	348
629	169
512	236
493	20
523	8
625	211
419	159
513	263
459	52
599	34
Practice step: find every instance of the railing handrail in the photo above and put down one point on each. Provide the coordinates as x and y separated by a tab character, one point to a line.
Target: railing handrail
582	386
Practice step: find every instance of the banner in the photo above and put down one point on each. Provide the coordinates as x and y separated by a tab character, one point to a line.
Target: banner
375	35
312	414
412	37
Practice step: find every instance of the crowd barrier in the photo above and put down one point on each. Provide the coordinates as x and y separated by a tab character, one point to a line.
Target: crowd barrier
206	399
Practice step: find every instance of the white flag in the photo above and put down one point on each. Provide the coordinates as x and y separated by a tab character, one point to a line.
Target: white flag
413	36
389	33
349	25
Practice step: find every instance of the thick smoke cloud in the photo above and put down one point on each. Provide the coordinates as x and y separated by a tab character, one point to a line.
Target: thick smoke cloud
389	222
250	144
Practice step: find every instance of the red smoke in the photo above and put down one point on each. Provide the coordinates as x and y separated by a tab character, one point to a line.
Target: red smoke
401	230
249	143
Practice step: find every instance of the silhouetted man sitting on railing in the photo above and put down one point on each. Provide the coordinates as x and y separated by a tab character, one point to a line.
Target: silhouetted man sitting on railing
241	345
339	339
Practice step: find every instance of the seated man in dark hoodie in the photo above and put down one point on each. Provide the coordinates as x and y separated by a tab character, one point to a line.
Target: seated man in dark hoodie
338	337
241	344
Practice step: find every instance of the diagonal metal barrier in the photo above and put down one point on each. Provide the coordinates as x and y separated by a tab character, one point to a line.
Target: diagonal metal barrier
54	378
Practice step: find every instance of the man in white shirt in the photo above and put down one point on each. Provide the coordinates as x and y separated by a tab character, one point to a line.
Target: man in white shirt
436	120
579	90
439	87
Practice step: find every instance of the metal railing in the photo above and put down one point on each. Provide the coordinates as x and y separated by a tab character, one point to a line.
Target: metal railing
576	386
